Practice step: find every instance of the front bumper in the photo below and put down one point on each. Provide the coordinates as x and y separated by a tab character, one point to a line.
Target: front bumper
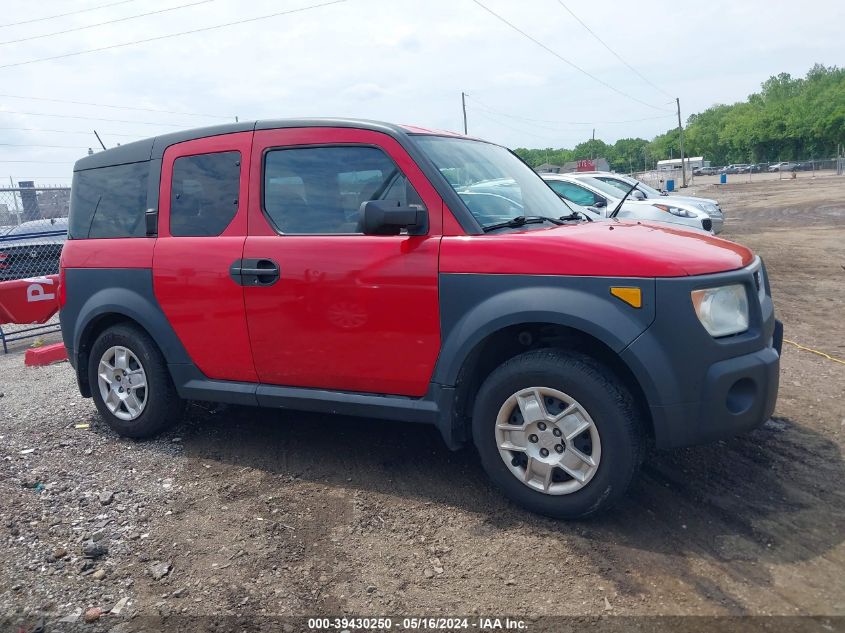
718	222
698	388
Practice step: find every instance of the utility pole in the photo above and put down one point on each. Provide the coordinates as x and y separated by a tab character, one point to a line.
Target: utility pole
681	142
464	106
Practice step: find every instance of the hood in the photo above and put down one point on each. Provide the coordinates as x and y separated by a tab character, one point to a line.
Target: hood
611	249
692	199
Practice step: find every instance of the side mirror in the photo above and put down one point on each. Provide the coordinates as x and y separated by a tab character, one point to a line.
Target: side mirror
383	217
637	194
599	203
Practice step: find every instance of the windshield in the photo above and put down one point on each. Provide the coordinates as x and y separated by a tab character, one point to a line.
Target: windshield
623	183
493	183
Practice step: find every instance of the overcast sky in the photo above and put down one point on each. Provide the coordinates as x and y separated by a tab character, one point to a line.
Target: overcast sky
403	61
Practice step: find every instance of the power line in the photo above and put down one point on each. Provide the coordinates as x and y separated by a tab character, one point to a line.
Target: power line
88	118
36	145
84	132
510	127
587	123
559	56
164	37
116	107
91	26
61	15
615	54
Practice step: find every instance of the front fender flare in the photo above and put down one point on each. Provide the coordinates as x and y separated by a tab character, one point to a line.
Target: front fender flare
476	306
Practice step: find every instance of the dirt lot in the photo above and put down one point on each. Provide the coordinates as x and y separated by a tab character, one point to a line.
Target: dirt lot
255	513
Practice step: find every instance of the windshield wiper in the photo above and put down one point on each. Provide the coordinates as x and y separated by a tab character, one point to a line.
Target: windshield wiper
576	215
520	220
622	201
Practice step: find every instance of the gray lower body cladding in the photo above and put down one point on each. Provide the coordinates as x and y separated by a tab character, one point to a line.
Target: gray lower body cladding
697	388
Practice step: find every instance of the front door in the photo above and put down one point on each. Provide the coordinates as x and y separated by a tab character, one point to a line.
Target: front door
338	309
201	230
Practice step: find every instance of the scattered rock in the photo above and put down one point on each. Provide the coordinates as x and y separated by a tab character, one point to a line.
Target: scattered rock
99	535
159	570
371	588
428	573
180	593
92	549
510	581
734	547
72	617
99	574
93	614
119	606
607	605
106	497
59	552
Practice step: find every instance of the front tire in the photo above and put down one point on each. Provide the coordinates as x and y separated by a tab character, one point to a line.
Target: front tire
131	384
558	433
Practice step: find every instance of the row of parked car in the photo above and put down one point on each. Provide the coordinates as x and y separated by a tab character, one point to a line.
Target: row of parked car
753	168
598	195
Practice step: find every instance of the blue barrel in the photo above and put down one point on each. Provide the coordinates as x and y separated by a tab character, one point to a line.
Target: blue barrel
723	179
670	184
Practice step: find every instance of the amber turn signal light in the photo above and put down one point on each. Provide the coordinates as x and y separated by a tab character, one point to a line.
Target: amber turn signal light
631	296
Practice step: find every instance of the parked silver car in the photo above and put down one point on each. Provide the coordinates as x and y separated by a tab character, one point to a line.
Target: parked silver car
783	166
645	192
592	193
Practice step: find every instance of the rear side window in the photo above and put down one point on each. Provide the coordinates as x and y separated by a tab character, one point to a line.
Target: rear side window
204	193
109	202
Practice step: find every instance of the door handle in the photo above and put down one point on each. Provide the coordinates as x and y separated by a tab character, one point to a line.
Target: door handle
254	272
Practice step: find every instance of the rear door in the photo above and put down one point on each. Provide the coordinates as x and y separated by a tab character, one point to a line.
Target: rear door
202	229
338	309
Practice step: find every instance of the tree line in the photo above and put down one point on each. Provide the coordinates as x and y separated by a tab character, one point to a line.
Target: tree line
789	119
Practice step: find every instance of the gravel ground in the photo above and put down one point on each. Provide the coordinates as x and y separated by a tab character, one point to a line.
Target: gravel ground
250	514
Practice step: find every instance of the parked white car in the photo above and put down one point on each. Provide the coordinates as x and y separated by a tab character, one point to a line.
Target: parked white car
591	193
645	192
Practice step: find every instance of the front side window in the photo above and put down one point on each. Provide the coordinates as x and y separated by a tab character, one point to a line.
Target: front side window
109	202
573	192
317	190
204	193
493	183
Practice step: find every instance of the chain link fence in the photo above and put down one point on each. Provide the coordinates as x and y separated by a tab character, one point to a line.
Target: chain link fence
754	172
33	231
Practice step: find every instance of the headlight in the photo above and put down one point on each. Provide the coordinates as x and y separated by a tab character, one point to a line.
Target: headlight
722	311
681	213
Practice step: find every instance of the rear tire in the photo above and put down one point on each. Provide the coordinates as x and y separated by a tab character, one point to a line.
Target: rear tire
130	383
558	433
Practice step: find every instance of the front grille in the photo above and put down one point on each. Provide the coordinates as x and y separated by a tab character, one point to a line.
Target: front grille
707	224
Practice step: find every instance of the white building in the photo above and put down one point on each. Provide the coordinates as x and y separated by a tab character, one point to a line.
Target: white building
691	162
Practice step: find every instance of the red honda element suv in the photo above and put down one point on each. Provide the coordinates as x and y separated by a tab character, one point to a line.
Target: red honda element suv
387	271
